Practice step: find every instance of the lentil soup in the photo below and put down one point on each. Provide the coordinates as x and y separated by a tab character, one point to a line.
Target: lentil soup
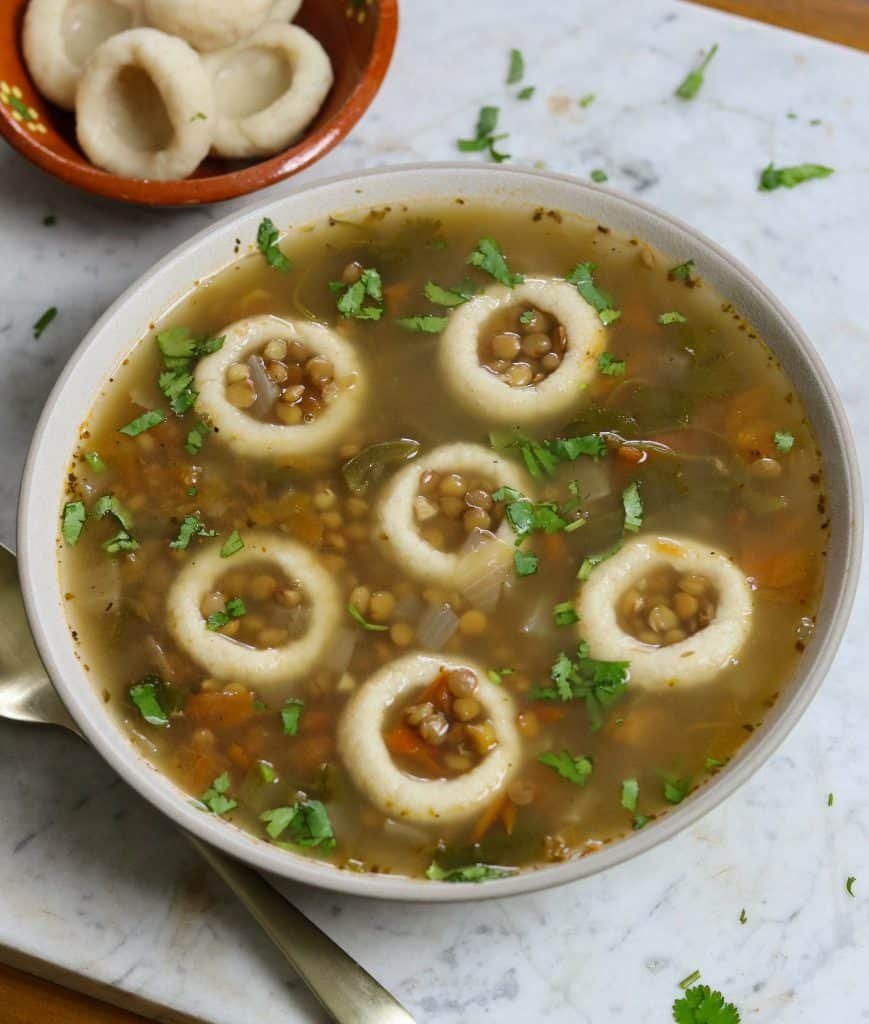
444	542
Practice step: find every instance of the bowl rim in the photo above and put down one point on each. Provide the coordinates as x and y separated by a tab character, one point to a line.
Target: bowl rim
231	184
55	647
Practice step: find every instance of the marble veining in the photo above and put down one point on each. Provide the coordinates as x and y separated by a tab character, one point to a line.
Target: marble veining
94	880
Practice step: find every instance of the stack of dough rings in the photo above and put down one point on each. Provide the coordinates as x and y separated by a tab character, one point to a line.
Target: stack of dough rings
157	85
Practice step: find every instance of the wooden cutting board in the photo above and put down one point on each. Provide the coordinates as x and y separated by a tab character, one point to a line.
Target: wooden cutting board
25	999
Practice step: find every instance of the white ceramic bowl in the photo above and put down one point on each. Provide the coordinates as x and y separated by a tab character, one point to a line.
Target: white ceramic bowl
109	341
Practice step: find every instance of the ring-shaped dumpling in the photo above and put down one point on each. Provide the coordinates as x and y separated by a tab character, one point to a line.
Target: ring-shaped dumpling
255	438
145	107
696	659
60	35
255	116
406	797
222	656
208	24
284	10
485	393
397	528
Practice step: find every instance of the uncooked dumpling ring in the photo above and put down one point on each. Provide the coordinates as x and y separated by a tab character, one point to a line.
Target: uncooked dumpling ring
696	659
278	442
276	126
284	10
208	24
56	50
490	397
398	530
175	71
406	797
224	658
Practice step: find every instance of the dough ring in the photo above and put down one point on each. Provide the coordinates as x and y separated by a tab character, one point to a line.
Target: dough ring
208	24
60	35
406	797
483	392
284	10
222	656
255	438
696	659
116	94
245	129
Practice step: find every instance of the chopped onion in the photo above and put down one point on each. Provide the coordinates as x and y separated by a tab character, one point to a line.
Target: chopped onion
540	619
266	390
484	568
594	480
340	651
436	626
158	658
102	595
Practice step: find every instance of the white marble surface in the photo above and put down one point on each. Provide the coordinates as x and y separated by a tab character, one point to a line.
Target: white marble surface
92	879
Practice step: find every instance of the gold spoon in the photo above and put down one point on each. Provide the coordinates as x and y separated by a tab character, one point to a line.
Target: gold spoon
345	989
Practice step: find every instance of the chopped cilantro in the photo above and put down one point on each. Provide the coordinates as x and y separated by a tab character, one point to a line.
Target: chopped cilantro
95	461
177	345
485	137
675	790
423	324
686	272
496	675
783	441
700	1005
691	83
121	542
144	695
714	762
688	981
581	276
525	562
267	242
449	296
599	175
672	318
610	366
471	873
849	885
633	506
175	384
215	798
542	457
527	317
591	562
789	177
291	712
72	522
630	794
575	769
234	609
599	683
516	71
180	351
829	799
196	437
192	526
351	302
267	772
743	917
107	505
307	820
199	116
587	99
43	322
152	418
232	545
488	256
564	613
357	616
525	93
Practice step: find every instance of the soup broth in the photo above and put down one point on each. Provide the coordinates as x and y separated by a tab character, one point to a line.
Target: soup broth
456	544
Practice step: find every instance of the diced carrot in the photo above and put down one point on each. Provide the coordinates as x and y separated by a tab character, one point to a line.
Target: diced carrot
487	819
223	709
239	756
554	546
198	768
790	569
309	752
316	720
508	817
437	693
550	713
630	453
405	742
394	293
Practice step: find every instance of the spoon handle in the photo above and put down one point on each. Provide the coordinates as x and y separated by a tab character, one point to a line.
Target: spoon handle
345	989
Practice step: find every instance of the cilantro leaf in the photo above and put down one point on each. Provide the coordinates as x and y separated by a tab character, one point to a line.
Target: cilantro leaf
488	257
783	441
192	526
485	137
196	437
47	317
633	506
307	820
471	873
232	545
575	769
496	675
691	83
267	242
630	794
525	562
516	70
564	614
177	345
357	616
175	384
423	324
789	177
525	93
291	712
144	695
686	272
591	562
267	772
95	461
72	522
449	296
581	277
672	318
700	1005
543	457
107	505
849	885
233	609
675	790
608	365
215	798
121	542
351	302
599	176
587	99
152	418
598	683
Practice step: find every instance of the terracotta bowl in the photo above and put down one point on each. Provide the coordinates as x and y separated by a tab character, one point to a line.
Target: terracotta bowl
359	36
